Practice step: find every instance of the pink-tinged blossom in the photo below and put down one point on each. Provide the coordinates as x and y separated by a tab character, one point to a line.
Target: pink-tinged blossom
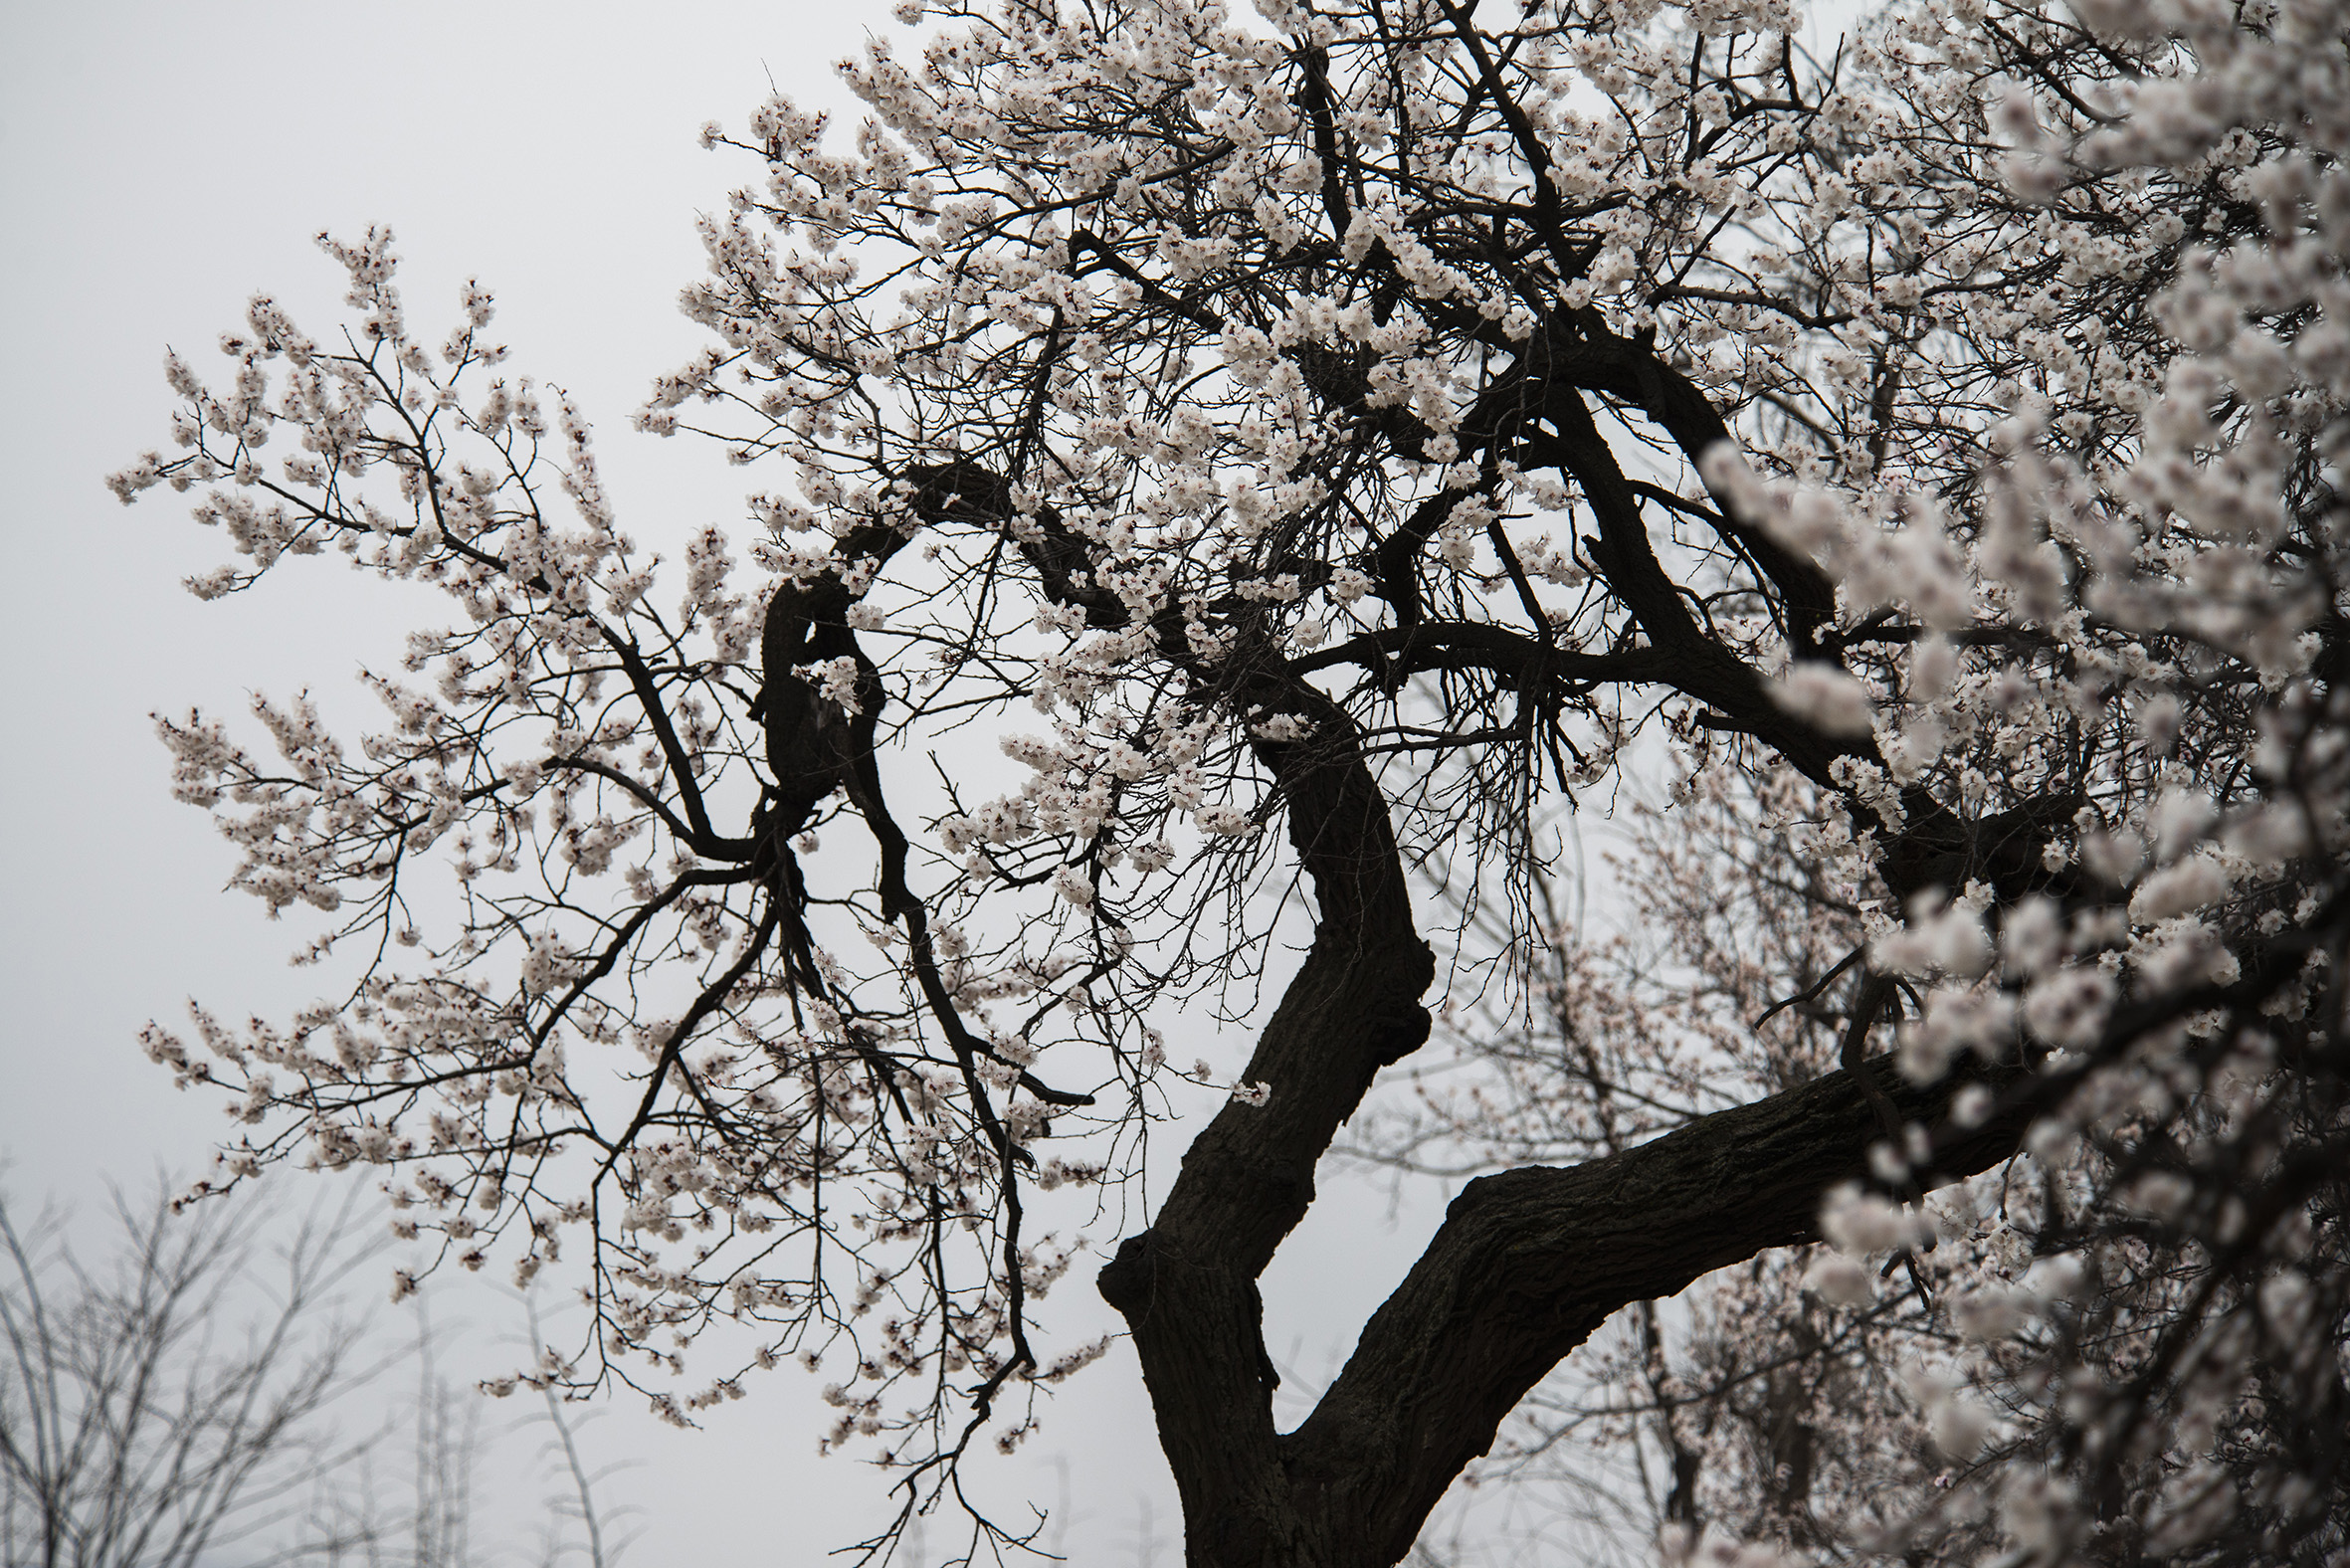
1824	697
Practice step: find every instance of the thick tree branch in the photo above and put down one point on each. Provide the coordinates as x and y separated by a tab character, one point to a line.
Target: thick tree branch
1577	349
1528	1263
1693	662
1187	1285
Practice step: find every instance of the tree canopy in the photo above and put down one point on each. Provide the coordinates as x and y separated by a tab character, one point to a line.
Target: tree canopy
1313	451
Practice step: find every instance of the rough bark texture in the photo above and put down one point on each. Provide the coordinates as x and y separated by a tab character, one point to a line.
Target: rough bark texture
1528	1263
1187	1285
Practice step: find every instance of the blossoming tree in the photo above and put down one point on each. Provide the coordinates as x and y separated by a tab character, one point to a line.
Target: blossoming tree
1312	448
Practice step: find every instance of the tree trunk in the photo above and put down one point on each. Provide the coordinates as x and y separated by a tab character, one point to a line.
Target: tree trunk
1527	1264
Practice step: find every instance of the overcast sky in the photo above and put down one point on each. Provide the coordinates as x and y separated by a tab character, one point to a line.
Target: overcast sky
160	162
